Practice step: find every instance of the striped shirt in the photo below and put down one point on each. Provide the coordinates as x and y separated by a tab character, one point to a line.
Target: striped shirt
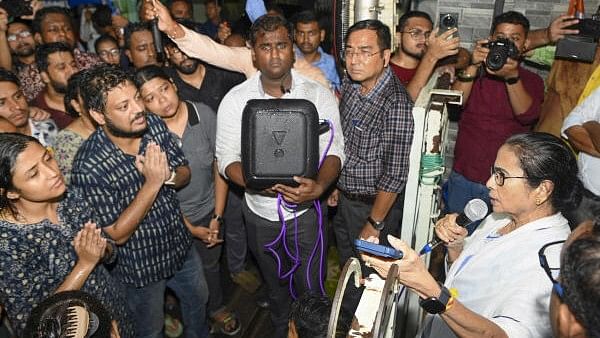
378	130
109	181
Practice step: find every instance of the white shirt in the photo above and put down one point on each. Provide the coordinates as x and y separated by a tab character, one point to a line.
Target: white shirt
229	130
589	166
500	277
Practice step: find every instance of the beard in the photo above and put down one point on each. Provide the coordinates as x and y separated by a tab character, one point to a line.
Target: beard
187	67
60	88
24	51
417	56
118	132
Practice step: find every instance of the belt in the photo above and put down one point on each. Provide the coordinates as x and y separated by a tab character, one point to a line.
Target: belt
366	198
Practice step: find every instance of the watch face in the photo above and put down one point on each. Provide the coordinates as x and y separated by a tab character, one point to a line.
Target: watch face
432	305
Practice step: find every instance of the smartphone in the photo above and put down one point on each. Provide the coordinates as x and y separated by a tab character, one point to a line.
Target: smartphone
377	249
447	22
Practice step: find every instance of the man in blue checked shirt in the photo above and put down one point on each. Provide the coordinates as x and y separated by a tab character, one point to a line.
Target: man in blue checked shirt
128	170
376	114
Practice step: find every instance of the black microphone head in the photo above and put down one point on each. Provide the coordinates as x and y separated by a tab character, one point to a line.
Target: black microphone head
476	209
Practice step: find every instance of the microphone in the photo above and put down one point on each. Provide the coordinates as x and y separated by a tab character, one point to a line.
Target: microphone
474	211
157	37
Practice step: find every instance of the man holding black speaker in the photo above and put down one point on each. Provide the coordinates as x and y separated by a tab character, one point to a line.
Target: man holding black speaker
266	214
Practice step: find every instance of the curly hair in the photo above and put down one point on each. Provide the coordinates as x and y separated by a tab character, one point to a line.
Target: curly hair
100	81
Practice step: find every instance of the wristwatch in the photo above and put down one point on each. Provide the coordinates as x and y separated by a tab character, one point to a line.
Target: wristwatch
435	305
512	80
377	225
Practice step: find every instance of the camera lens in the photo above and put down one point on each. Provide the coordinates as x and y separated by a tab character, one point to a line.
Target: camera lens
449	21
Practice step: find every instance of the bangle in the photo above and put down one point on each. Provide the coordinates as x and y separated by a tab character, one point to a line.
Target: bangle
171	180
219	219
464	77
171	34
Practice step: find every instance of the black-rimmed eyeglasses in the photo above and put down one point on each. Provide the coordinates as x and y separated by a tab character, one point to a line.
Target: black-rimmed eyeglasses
549	256
499	176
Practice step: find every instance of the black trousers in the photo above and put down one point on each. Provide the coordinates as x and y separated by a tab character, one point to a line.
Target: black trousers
348	222
262	231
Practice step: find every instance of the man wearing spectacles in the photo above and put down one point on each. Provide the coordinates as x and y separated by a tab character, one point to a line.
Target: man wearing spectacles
419	50
574	310
497	104
378	127
21	44
108	50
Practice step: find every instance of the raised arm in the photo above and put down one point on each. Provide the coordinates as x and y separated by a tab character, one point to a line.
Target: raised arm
200	46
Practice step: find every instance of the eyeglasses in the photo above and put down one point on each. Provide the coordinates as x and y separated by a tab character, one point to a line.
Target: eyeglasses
549	256
499	176
362	55
106	53
416	34
15	36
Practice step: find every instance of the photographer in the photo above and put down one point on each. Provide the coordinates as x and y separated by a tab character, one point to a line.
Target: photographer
501	99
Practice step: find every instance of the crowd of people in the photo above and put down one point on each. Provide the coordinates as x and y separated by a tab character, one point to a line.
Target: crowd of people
121	173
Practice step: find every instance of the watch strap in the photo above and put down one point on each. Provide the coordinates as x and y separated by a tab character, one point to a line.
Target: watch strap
377	225
512	80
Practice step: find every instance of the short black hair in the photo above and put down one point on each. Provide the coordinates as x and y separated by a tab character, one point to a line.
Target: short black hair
270	23
148	73
100	80
57	308
409	15
40	15
43	51
102	16
384	37
580	279
74	84
133	27
305	17
511	17
309	314
105	38
8	76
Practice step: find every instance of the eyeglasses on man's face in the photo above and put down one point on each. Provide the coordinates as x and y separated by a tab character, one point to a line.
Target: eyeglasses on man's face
361	54
500	176
549	256
22	34
417	34
106	53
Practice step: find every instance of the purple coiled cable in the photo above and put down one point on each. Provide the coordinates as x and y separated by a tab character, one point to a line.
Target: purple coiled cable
320	243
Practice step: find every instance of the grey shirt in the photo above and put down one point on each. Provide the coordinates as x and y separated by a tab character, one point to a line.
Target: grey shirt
197	199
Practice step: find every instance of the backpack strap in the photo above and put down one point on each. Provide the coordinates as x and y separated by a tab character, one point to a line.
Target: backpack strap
193	118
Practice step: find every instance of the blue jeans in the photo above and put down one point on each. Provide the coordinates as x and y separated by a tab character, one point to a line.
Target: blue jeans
458	191
189	284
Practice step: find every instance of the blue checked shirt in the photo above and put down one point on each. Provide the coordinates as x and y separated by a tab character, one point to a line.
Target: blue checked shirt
109	181
378	131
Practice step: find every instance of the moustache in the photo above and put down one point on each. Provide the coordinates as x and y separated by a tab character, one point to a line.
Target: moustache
138	115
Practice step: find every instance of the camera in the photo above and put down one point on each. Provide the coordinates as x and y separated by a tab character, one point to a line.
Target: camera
447	22
500	50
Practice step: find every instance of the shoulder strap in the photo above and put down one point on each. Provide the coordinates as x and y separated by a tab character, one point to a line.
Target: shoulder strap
193	118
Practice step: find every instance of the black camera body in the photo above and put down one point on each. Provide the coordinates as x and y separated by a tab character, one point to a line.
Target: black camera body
500	50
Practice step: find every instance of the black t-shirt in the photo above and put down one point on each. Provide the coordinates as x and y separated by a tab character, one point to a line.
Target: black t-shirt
217	82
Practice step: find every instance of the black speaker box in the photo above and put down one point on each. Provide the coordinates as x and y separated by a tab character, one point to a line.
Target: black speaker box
280	139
